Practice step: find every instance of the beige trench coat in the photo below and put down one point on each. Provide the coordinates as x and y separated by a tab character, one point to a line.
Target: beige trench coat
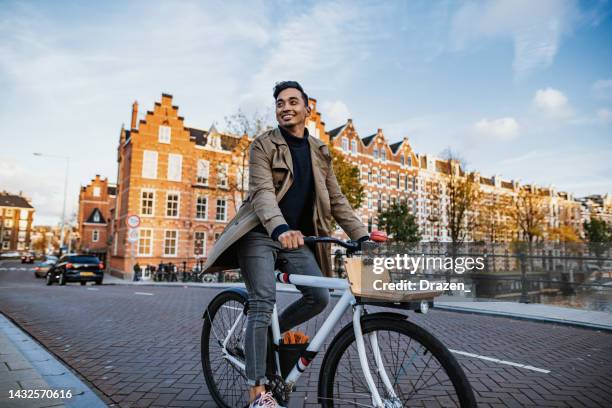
270	176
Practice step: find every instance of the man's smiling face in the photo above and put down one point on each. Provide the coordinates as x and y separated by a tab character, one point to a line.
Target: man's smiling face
290	108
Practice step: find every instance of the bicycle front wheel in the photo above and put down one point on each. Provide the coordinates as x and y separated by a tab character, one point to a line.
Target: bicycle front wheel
225	324
409	368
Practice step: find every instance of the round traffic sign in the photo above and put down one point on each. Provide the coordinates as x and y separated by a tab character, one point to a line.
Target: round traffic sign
132	221
132	235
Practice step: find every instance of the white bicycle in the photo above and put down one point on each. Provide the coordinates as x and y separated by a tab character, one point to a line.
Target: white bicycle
378	360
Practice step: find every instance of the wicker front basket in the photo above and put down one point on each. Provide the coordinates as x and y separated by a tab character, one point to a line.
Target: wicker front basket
362	277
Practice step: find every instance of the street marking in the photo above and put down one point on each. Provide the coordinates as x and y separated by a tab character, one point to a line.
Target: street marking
92	289
496	360
143	293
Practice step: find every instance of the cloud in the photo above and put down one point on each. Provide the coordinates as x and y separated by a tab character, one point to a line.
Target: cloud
602	89
501	130
604	115
334	113
552	102
534	27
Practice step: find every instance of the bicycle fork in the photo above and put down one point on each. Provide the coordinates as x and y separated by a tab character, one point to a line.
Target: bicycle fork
365	367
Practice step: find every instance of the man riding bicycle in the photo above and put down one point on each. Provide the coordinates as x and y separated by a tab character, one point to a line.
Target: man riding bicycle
293	192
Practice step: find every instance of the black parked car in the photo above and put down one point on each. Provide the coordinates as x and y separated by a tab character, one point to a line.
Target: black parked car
76	268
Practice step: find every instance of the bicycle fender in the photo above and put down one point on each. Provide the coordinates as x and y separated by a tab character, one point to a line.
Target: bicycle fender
240	291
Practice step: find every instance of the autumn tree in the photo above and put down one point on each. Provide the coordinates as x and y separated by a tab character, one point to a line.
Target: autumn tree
398	222
529	216
348	178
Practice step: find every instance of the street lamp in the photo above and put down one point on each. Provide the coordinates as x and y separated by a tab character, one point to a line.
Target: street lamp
67	158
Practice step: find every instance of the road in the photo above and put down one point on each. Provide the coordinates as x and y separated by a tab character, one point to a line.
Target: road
139	346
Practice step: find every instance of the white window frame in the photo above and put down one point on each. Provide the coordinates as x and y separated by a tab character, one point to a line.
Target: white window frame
225	173
354	146
149	164
164	134
95	235
175	254
178	204
148	239
6	244
175	167
96	191
142	192
345	144
203	243
224	209
203	165
206	206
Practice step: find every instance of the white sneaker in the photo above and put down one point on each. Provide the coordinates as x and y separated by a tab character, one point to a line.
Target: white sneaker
265	400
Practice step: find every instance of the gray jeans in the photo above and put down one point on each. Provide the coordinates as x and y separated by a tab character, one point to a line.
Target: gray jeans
257	256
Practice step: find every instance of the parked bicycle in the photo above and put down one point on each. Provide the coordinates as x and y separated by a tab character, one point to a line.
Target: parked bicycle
378	360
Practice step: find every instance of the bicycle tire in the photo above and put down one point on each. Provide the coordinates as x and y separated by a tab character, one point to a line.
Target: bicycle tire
211	366
346	338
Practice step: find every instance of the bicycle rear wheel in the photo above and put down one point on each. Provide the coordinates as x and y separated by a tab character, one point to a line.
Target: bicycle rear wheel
421	371
226	381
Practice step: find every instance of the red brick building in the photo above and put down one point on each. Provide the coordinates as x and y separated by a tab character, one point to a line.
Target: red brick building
96	203
16	215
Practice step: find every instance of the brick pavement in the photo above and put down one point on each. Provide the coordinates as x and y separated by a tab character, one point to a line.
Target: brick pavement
143	351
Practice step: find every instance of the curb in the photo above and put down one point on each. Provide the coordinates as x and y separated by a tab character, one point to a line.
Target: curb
549	320
57	376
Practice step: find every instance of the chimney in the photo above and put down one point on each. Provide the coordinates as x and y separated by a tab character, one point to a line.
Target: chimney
134	114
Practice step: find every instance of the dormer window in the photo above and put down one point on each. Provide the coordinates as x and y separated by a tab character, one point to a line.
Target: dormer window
375	153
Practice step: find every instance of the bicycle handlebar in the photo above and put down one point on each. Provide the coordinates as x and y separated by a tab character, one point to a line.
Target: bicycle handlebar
352	245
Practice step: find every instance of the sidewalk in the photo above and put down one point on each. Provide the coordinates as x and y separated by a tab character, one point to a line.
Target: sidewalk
537	312
26	366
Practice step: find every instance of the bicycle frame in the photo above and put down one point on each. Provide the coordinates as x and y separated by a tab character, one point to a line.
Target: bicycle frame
346	300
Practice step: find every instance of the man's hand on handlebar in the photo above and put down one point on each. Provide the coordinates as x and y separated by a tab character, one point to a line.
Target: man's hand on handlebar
291	239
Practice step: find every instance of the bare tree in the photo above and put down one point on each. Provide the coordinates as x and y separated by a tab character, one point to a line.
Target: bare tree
247	127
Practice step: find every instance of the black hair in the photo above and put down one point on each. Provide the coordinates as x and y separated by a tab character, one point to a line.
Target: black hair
281	86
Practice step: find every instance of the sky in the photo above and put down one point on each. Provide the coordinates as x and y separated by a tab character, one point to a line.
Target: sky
520	89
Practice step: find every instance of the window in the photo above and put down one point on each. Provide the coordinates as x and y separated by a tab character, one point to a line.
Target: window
95	235
170	242
402	160
164	134
199	244
8	212
96	191
96	217
354	146
147	198
8	223
398	182
383	154
202	208
369	224
149	164
217	235
369	200
145	241
221	210
406	183
414	184
172	205
242	178
375	153
175	165
409	161
222	175
369	176
6	245
379	204
345	144
23	214
202	172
